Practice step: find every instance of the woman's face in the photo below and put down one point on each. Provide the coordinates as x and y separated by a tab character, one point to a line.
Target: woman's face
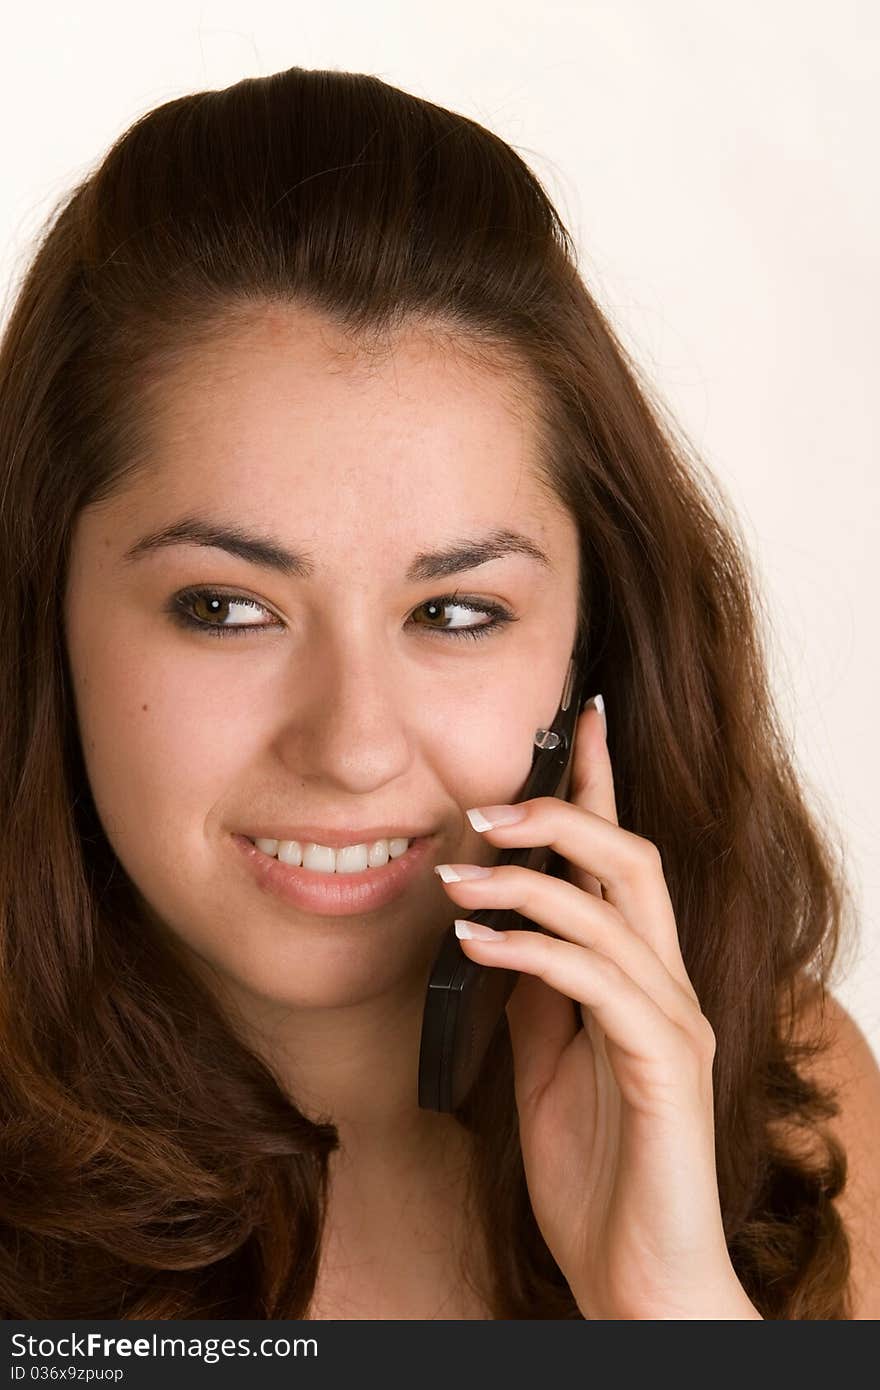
342	698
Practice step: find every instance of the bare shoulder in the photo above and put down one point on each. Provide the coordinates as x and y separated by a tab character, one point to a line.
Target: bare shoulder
848	1065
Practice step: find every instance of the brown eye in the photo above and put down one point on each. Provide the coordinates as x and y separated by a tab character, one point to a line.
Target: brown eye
498	616
207	610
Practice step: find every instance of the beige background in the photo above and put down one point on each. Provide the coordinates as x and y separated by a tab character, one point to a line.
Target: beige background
717	166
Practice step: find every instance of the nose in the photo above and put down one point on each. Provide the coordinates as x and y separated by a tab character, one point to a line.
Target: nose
352	720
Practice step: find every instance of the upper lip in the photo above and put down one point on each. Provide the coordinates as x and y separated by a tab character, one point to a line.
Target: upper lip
335	839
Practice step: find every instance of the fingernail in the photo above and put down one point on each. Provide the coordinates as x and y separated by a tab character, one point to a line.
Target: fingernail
487	817
600	706
454	873
477	931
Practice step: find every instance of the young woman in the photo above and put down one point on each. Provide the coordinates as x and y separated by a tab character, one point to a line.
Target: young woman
318	461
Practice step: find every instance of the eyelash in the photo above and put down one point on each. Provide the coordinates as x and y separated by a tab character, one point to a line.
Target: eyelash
177	609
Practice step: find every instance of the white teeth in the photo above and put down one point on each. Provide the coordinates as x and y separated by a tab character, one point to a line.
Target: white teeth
314	856
380	852
350	859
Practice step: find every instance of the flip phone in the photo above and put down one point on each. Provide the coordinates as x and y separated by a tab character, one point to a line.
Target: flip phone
465	1001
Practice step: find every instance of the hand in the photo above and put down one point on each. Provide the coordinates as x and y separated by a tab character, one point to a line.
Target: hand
616	1118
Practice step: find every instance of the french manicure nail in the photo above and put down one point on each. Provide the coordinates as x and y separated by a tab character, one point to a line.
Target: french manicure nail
487	817
477	931
454	873
600	706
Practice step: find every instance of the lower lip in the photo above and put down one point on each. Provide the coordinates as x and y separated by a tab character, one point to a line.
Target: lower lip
335	895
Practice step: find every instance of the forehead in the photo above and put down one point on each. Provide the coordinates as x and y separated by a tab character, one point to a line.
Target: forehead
283	419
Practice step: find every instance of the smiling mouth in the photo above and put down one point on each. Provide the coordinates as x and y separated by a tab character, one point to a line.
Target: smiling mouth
345	861
336	894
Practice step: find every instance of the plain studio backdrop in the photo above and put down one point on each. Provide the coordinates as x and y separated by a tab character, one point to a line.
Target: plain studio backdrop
716	165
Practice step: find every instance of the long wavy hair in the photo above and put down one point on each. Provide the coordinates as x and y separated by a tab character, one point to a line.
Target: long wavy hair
151	1165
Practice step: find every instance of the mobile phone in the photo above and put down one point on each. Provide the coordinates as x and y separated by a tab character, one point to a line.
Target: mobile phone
465	1001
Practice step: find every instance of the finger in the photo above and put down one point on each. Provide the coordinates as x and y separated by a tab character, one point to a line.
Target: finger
542	1023
582	919
627	865
656	1064
591	784
592	777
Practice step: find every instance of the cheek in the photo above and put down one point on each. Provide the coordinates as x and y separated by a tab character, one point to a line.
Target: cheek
483	751
158	746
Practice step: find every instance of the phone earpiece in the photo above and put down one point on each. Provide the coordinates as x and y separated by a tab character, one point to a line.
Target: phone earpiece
545	738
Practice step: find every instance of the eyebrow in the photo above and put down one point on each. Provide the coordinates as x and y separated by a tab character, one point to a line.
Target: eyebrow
268	553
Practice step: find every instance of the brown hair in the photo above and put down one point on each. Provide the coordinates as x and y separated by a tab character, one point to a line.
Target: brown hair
151	1165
